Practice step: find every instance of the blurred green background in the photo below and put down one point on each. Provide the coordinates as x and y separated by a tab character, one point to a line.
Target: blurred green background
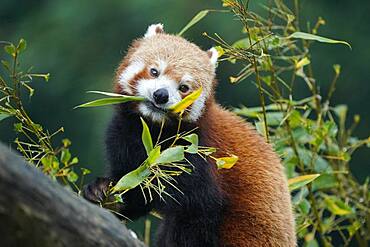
81	43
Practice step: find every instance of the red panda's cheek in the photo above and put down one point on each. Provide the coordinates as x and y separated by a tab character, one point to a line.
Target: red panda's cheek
118	88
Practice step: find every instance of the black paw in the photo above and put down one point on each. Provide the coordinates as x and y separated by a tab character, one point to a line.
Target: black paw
97	191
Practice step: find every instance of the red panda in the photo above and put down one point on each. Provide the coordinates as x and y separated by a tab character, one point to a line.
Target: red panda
247	205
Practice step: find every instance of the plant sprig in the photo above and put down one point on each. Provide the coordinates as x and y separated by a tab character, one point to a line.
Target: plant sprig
33	141
161	167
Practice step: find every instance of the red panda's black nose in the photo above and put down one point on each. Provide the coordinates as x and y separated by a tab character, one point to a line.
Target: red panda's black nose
161	96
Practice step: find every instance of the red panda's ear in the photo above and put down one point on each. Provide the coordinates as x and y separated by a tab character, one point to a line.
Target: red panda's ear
213	55
153	30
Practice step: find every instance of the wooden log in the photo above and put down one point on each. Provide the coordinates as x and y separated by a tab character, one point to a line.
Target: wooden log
36	211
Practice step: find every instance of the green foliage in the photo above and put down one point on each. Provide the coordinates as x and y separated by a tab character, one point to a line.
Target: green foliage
33	141
161	167
310	36
309	134
197	18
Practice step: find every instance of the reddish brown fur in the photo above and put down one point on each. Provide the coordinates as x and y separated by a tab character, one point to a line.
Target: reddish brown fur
123	65
260	212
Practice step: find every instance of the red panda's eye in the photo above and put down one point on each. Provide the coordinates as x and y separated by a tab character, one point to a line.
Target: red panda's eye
154	72
184	88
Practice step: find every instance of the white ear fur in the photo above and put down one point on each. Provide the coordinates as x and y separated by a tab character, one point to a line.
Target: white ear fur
213	55
153	30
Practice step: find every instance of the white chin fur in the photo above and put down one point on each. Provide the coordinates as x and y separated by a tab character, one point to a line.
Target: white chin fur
155	116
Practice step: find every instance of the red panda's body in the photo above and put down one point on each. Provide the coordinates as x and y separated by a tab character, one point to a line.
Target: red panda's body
247	205
259	209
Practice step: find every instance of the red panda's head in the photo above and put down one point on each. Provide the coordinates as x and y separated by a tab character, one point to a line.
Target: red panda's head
164	69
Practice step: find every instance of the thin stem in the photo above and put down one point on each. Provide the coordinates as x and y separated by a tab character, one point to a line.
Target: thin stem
261	95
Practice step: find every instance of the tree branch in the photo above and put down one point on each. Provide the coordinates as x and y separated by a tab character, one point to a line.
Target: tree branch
35	211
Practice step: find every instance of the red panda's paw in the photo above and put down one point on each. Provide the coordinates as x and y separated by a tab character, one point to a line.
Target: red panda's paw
97	191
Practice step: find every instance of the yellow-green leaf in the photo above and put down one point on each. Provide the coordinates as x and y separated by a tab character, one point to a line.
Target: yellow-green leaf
309	36
65	156
186	102
194	21
298	182
228	3
21	45
301	63
242	43
146	137
226	162
352	229
336	68
154	155
337	206
220	50
10	49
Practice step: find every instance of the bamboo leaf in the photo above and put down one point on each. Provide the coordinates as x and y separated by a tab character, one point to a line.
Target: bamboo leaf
301	63
132	179
186	102
336	68
110	101
146	138
352	229
193	139
21	45
226	162
194	21
3	116
107	93
154	155
309	36
10	49
174	154
72	176
337	206
241	43
220	50
65	156
298	182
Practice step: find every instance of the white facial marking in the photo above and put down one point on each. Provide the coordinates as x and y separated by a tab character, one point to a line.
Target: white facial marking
153	30
162	65
197	107
129	73
187	78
